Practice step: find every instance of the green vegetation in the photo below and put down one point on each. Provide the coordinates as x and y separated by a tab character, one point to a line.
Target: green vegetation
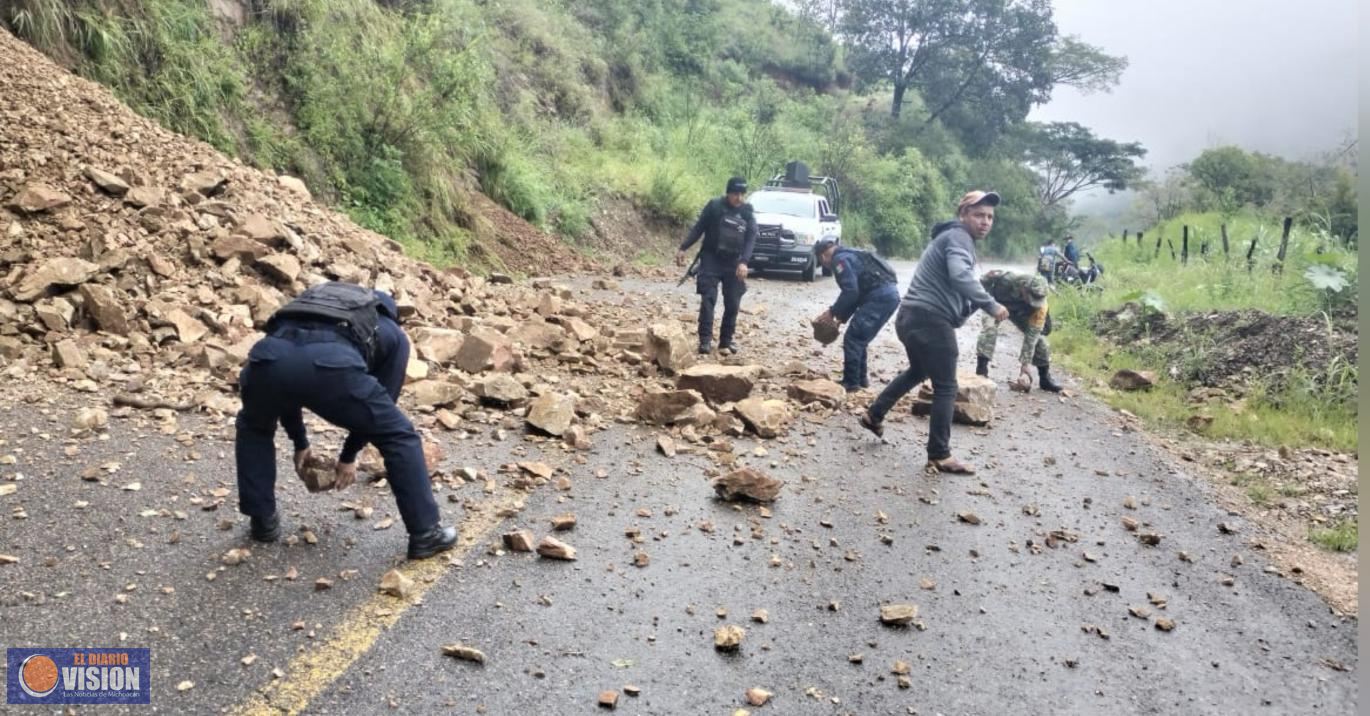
1341	537
398	110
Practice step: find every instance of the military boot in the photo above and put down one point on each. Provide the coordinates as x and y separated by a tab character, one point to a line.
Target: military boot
982	366
1044	380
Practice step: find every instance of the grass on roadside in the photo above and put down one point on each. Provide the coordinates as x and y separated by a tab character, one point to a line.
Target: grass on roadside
1341	537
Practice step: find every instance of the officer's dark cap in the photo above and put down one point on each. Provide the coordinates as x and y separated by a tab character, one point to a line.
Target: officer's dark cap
737	185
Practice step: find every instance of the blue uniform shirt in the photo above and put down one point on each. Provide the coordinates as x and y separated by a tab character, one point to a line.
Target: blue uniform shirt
846	267
392	357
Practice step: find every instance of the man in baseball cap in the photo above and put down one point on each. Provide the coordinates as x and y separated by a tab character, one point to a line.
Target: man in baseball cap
1025	297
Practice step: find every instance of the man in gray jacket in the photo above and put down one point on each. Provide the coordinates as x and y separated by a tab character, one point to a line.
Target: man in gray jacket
943	294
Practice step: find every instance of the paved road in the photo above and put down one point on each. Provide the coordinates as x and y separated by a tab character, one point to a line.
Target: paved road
1001	614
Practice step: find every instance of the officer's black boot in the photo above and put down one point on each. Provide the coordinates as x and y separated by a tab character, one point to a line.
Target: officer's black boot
982	366
427	544
266	529
706	347
1044	380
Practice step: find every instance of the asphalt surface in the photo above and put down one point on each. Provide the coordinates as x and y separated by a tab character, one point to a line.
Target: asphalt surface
1002	614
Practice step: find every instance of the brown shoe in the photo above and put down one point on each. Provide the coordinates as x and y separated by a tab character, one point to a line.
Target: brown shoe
949	465
876	427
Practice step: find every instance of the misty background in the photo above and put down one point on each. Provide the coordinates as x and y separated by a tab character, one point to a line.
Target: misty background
1268	75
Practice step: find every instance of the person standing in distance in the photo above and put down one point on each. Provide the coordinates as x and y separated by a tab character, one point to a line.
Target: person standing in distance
338	350
944	292
870	295
728	227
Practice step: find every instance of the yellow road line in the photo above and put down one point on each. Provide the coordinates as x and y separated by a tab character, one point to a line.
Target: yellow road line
313	671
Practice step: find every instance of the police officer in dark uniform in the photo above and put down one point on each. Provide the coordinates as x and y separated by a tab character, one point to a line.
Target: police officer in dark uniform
729	230
317	362
870	295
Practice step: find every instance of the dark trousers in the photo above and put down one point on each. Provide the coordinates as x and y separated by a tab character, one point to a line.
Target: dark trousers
930	342
711	274
329	378
875	310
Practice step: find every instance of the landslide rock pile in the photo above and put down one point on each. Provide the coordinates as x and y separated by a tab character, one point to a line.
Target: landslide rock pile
139	266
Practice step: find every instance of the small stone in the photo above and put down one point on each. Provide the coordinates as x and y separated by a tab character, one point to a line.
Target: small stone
968	517
1141	612
761	616
464	653
608	699
1130	524
748	484
564	522
185	686
519	541
322	584
757	696
553	548
1151	539
1165	624
728	637
397	584
236	556
898	614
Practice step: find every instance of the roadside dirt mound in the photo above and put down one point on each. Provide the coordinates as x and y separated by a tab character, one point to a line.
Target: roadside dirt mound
519	246
1226	348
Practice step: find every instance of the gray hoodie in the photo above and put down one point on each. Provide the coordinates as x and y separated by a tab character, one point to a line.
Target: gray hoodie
945	281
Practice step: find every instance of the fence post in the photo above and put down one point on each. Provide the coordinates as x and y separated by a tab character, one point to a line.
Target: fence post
1171	244
1158	246
1250	262
1224	230
1184	246
1139	239
1124	236
1284	244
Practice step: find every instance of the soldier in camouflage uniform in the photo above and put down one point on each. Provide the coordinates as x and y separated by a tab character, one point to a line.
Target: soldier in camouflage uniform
1025	297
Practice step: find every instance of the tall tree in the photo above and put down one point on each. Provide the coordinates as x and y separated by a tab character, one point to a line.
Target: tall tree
1068	159
1085	67
895	40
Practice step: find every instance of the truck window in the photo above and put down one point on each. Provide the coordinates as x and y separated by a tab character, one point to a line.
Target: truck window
823	208
778	202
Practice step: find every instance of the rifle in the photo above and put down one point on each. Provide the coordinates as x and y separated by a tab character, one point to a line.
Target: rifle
691	271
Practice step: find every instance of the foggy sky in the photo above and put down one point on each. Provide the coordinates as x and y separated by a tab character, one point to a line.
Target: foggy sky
1278	76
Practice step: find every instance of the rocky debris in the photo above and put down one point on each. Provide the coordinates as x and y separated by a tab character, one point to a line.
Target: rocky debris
898	614
748	484
1165	624
101	304
501	390
462	652
236	556
608	699
968	517
719	383
757	696
439	345
109	183
604	284
52	274
669	347
577	437
294	184
825	332
822	391
1132	380
67	354
974	400
90	419
38	197
518	541
433	393
667	407
486	349
1199	422
564	522
766	417
729	637
553	548
552	413
397	584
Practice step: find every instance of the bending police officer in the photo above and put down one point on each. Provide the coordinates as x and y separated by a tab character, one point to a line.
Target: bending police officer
870	294
337	350
728	228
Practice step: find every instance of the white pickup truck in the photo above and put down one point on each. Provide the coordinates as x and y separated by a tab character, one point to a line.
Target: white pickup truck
791	217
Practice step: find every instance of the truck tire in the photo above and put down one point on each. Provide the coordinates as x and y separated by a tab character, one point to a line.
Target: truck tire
808	274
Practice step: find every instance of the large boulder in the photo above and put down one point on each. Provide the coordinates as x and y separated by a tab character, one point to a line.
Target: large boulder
107	182
974	400
822	391
719	383
440	345
105	308
669	347
485	349
53	273
766	417
1133	380
552	413
502	390
38	197
666	407
435	392
539	334
748	484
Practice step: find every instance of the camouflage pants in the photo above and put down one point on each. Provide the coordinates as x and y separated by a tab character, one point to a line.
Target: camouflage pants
989	337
